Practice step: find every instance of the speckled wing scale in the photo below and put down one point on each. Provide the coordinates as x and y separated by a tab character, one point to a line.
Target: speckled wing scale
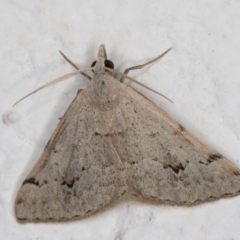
111	143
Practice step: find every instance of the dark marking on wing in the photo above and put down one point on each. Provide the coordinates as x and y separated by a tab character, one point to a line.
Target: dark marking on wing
69	182
175	167
213	157
236	173
181	128
31	180
19	201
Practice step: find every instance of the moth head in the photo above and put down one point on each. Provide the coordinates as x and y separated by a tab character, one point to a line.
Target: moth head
107	63
102	52
102	61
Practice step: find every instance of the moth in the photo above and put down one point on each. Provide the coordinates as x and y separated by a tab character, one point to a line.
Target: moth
114	143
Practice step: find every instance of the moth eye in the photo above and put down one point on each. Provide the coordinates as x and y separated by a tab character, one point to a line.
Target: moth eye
93	64
109	64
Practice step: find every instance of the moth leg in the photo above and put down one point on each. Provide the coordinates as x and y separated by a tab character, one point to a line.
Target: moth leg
143	65
69	61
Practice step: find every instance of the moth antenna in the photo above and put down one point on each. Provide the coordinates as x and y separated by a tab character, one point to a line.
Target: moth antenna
75	66
64	77
137	82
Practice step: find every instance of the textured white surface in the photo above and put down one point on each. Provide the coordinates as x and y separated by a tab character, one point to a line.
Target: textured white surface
201	75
